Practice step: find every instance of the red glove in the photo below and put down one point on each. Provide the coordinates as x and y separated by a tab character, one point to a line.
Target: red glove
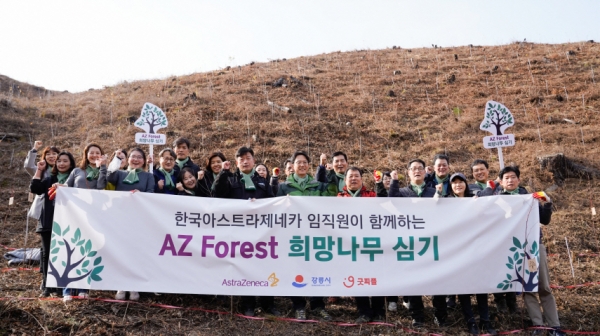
491	184
275	171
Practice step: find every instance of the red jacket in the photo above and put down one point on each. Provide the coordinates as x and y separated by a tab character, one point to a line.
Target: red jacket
363	193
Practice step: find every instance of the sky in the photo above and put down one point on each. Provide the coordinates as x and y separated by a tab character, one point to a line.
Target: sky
78	45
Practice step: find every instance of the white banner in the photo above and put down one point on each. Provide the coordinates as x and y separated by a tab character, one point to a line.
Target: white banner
294	246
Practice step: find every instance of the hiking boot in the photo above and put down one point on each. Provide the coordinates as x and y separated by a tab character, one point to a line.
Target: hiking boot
120	295
538	332
487	327
134	296
323	314
362	319
84	295
406	304
249	312
392	306
67	298
556	332
417	323
451	302
301	314
473	330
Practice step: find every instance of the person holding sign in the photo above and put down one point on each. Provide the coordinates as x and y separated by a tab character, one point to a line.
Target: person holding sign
91	174
509	185
65	163
481	173
300	183
134	179
245	184
460	188
167	173
181	146
418	188
441	168
369	308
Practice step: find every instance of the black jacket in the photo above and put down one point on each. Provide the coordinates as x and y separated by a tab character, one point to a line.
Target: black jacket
396	191
380	190
327	176
228	185
545	209
204	187
40	187
192	165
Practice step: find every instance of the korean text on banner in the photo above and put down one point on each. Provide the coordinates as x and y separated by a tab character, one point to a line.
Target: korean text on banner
294	246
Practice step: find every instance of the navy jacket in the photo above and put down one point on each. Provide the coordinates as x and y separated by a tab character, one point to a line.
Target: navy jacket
158	175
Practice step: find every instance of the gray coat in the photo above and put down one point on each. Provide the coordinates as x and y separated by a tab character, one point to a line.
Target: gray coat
78	179
145	183
31	164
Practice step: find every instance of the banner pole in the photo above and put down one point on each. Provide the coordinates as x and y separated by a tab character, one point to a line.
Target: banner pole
500	158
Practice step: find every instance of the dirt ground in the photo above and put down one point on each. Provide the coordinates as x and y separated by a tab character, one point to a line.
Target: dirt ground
382	107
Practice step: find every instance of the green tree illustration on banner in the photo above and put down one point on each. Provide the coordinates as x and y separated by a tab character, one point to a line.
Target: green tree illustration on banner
152	119
497	118
81	258
524	266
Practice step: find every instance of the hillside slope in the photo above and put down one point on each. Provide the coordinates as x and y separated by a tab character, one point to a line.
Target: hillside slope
382	107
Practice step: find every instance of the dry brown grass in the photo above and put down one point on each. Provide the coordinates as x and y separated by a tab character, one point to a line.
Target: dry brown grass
225	109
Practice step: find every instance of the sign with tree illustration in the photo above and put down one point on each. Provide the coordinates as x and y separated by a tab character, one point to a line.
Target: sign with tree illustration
72	258
497	118
151	120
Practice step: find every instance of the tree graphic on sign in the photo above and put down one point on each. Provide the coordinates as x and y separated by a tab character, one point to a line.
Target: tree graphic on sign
497	118
152	119
84	267
522	260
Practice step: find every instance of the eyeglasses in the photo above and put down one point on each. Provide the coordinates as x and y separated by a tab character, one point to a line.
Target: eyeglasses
167	159
301	163
416	169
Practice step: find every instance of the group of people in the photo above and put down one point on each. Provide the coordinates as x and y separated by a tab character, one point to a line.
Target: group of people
177	174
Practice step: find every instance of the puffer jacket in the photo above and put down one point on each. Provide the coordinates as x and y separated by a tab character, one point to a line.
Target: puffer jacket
311	188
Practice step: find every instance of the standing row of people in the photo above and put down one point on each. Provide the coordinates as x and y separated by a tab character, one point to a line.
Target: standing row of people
177	174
